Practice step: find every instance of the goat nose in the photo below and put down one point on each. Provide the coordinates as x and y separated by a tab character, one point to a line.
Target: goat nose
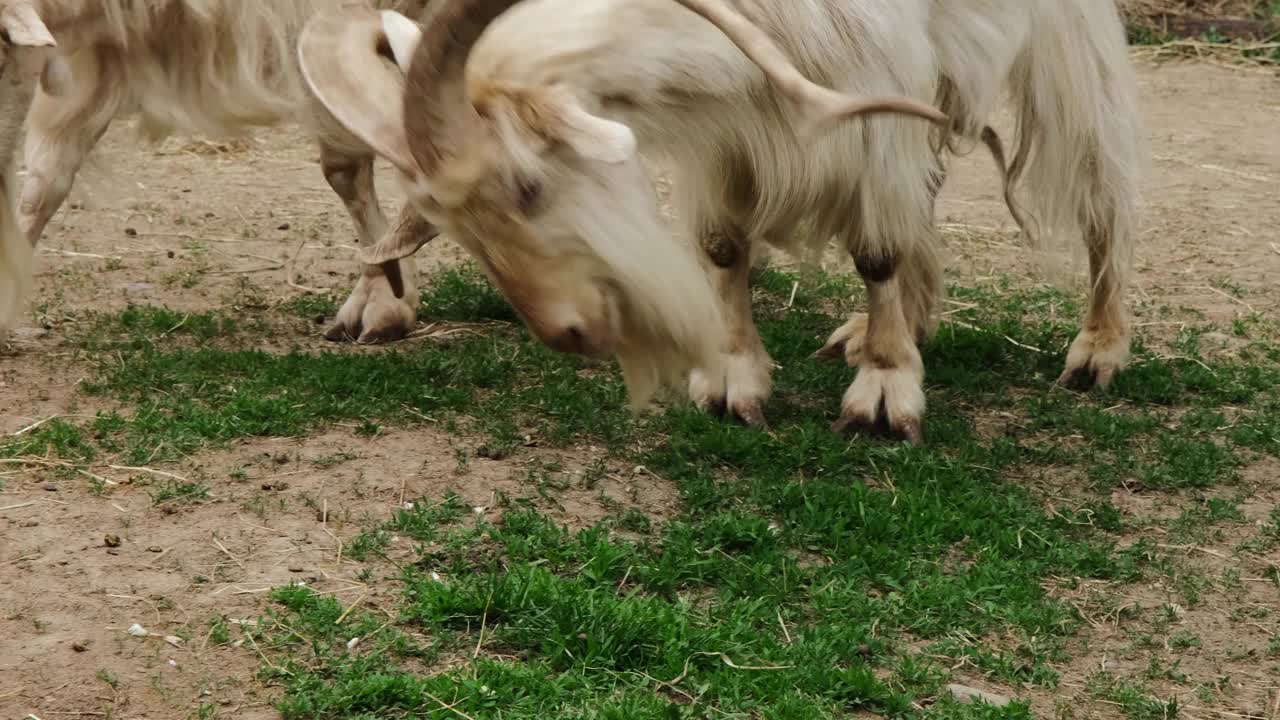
570	339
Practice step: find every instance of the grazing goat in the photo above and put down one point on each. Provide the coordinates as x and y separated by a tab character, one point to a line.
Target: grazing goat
216	67
516	127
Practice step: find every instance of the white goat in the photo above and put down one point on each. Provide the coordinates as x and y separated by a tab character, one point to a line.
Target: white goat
216	67
518	129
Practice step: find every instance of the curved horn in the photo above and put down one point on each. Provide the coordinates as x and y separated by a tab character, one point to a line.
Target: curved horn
22	26
820	107
437	69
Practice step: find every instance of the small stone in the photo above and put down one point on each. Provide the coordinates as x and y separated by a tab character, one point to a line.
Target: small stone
112	541
112	551
155	549
295	569
80	645
971	696
170	254
283	226
492	453
29	523
50	487
134	233
137	630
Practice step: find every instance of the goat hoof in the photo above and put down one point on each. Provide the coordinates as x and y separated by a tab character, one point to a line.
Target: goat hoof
1081	378
1094	358
339	333
908	430
750	413
884	402
385	334
715	407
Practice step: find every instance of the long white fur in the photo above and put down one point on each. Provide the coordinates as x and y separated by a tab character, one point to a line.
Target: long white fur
691	95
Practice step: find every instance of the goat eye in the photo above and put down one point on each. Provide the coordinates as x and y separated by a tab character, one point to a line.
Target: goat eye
528	192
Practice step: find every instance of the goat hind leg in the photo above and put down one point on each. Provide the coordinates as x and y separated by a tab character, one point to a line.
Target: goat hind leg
887	396
374	312
1102	347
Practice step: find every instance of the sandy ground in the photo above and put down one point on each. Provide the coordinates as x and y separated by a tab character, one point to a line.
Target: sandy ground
186	224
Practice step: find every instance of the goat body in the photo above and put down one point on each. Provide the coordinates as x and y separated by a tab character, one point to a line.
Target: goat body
558	94
213	67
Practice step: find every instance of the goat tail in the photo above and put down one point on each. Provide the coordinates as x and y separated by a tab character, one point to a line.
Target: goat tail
1078	144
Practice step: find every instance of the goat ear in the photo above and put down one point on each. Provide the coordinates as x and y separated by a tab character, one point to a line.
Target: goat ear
403	35
338	53
592	136
23	27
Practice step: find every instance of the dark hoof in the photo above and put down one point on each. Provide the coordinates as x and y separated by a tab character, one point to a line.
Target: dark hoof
908	430
338	333
381	336
1081	378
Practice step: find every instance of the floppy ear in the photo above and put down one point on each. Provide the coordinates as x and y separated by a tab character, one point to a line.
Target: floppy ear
591	136
22	26
341	64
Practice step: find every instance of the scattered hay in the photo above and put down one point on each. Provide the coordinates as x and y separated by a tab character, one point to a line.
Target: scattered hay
1235	33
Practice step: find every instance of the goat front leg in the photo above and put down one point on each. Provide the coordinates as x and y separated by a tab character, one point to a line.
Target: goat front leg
919	281
888	393
919	276
374	312
1102	347
384	304
746	385
62	131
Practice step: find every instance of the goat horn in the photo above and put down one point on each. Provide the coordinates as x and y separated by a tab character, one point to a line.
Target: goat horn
22	26
820	106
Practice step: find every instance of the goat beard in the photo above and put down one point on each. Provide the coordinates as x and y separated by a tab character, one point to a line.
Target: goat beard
672	321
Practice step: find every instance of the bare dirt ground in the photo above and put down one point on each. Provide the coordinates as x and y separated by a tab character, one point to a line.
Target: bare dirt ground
193	224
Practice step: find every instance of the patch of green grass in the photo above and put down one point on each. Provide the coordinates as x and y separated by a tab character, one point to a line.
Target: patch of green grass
311	306
1132	698
464	295
178	492
806	575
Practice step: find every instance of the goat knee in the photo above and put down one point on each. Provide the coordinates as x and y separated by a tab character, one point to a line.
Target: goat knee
876	267
724	248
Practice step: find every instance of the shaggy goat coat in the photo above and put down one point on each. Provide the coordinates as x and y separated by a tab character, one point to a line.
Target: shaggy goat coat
688	93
